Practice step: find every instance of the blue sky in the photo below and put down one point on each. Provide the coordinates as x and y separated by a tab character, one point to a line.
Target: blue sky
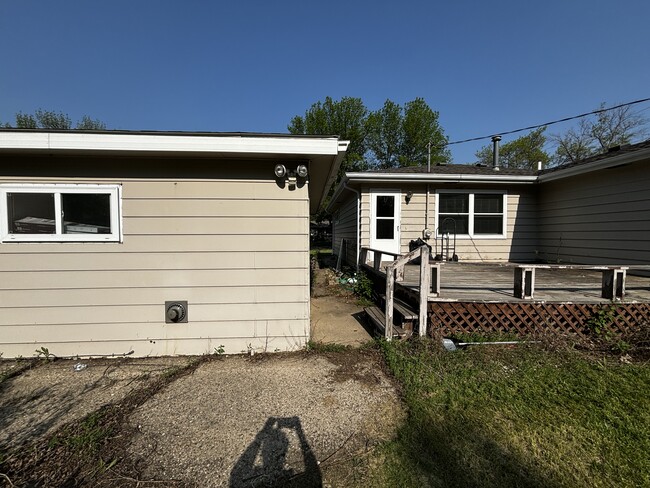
252	65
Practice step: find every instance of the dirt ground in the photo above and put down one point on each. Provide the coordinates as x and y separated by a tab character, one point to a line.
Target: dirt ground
305	419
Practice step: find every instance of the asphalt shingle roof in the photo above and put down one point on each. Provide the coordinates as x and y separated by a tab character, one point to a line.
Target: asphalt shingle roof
610	153
473	169
456	169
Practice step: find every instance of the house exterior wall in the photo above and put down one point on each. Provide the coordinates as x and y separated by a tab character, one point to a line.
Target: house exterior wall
600	217
345	227
223	236
519	243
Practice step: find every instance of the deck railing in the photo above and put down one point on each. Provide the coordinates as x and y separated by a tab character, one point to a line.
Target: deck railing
395	273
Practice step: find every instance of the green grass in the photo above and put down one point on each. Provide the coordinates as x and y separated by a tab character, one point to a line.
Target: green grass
496	417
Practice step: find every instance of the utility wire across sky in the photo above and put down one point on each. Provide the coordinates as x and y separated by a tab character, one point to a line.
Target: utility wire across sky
565	119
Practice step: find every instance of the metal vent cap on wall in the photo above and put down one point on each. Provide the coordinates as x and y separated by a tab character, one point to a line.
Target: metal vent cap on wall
176	312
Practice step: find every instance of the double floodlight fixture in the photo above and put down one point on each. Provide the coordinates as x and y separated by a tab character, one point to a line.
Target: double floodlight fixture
281	171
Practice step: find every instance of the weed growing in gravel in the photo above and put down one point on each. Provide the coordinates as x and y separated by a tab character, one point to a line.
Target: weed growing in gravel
326	347
171	372
88	437
44	353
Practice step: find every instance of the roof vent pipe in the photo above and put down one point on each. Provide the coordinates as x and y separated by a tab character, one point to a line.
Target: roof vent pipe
495	152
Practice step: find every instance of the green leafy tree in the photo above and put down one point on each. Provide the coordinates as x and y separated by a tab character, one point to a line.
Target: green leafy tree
399	136
598	133
345	118
48	119
389	137
524	152
384	134
86	123
43	119
421	127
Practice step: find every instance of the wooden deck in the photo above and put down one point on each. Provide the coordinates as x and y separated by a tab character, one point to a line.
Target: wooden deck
479	298
492	283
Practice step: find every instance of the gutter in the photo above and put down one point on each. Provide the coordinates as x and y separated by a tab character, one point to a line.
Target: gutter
437	178
163	143
334	169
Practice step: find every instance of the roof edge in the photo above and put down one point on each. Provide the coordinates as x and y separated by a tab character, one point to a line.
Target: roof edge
604	163
438	178
343	147
172	143
170	133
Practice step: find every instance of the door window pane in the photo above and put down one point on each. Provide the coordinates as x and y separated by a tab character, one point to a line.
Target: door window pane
385	206
86	213
385	229
31	213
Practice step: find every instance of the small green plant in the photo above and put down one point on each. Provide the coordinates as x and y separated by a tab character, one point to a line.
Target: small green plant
44	353
220	351
169	372
601	321
622	347
363	286
104	466
87	437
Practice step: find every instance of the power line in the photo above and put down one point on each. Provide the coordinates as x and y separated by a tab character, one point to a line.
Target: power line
545	124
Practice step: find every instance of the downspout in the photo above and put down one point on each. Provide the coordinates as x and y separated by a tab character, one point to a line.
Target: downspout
345	185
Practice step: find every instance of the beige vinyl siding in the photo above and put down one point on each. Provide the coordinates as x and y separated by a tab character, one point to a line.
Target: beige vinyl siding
519	244
233	243
597	218
345	227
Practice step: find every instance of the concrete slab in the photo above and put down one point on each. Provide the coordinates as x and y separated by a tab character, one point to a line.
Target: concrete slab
336	320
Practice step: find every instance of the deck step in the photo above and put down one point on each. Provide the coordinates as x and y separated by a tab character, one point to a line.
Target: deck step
378	318
403	308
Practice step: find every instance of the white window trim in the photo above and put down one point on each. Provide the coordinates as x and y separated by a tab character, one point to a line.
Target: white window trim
115	192
471	235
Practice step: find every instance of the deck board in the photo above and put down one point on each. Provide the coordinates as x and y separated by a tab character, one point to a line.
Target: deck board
495	283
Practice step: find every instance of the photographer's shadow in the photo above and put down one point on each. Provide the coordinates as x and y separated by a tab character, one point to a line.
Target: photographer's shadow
264	462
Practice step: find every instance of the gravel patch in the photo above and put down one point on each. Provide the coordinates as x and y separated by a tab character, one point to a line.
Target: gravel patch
40	400
259	422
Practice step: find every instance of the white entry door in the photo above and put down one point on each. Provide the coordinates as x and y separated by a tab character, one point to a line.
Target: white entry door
385	221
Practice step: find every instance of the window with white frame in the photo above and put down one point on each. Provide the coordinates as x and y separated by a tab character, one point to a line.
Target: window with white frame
474	214
59	213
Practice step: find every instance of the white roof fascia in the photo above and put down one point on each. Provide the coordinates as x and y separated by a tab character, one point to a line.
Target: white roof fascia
167	143
343	147
596	165
438	178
